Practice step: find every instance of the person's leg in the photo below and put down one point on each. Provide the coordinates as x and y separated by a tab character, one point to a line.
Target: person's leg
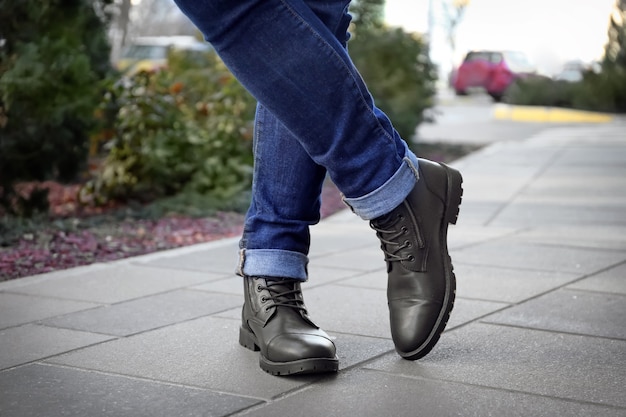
285	201
285	56
287	183
273	254
286	193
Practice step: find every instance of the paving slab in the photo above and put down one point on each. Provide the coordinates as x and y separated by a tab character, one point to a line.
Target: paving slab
147	313
353	233
506	285
48	276
481	282
511	254
505	156
217	259
318	276
568	187
16	309
612	281
570	311
493	187
563	213
205	353
466	311
230	285
201	353
364	259
121	281
31	342
372	394
584	171
479	212
581	134
376	280
584	236
604	154
573	367
57	391
466	233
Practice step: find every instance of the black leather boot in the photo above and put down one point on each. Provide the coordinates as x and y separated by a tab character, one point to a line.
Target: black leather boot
421	284
275	321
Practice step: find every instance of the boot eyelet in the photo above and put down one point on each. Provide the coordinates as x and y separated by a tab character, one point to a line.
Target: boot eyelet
258	288
411	258
407	244
263	299
404	230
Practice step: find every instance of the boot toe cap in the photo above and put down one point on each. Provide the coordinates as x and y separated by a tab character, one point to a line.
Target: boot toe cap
413	324
290	347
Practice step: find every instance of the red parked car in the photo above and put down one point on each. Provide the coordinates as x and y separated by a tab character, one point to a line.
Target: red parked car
494	71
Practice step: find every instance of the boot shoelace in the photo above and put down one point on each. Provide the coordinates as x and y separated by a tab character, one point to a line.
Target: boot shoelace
280	298
392	241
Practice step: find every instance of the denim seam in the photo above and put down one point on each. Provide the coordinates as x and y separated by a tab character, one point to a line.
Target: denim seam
276	263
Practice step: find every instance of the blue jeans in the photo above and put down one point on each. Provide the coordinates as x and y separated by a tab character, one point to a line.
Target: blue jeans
315	117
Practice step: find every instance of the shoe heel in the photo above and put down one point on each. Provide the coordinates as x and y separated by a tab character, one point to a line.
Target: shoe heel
454	194
248	340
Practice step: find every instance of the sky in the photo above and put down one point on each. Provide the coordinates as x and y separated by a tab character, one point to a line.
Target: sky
550	32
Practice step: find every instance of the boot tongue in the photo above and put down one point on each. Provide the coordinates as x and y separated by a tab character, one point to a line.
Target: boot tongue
385	220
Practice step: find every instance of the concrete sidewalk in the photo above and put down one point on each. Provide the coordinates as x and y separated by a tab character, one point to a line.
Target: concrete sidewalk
539	327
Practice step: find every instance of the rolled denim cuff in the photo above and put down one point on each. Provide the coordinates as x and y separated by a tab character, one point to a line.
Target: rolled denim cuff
276	263
389	195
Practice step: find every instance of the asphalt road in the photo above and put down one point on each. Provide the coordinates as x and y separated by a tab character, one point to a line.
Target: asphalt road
470	120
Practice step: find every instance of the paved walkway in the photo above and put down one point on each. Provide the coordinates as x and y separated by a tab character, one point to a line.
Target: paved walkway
538	328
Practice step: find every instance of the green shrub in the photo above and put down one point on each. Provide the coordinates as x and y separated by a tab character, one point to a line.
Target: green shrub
223	113
184	129
541	91
53	55
396	67
149	137
605	92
